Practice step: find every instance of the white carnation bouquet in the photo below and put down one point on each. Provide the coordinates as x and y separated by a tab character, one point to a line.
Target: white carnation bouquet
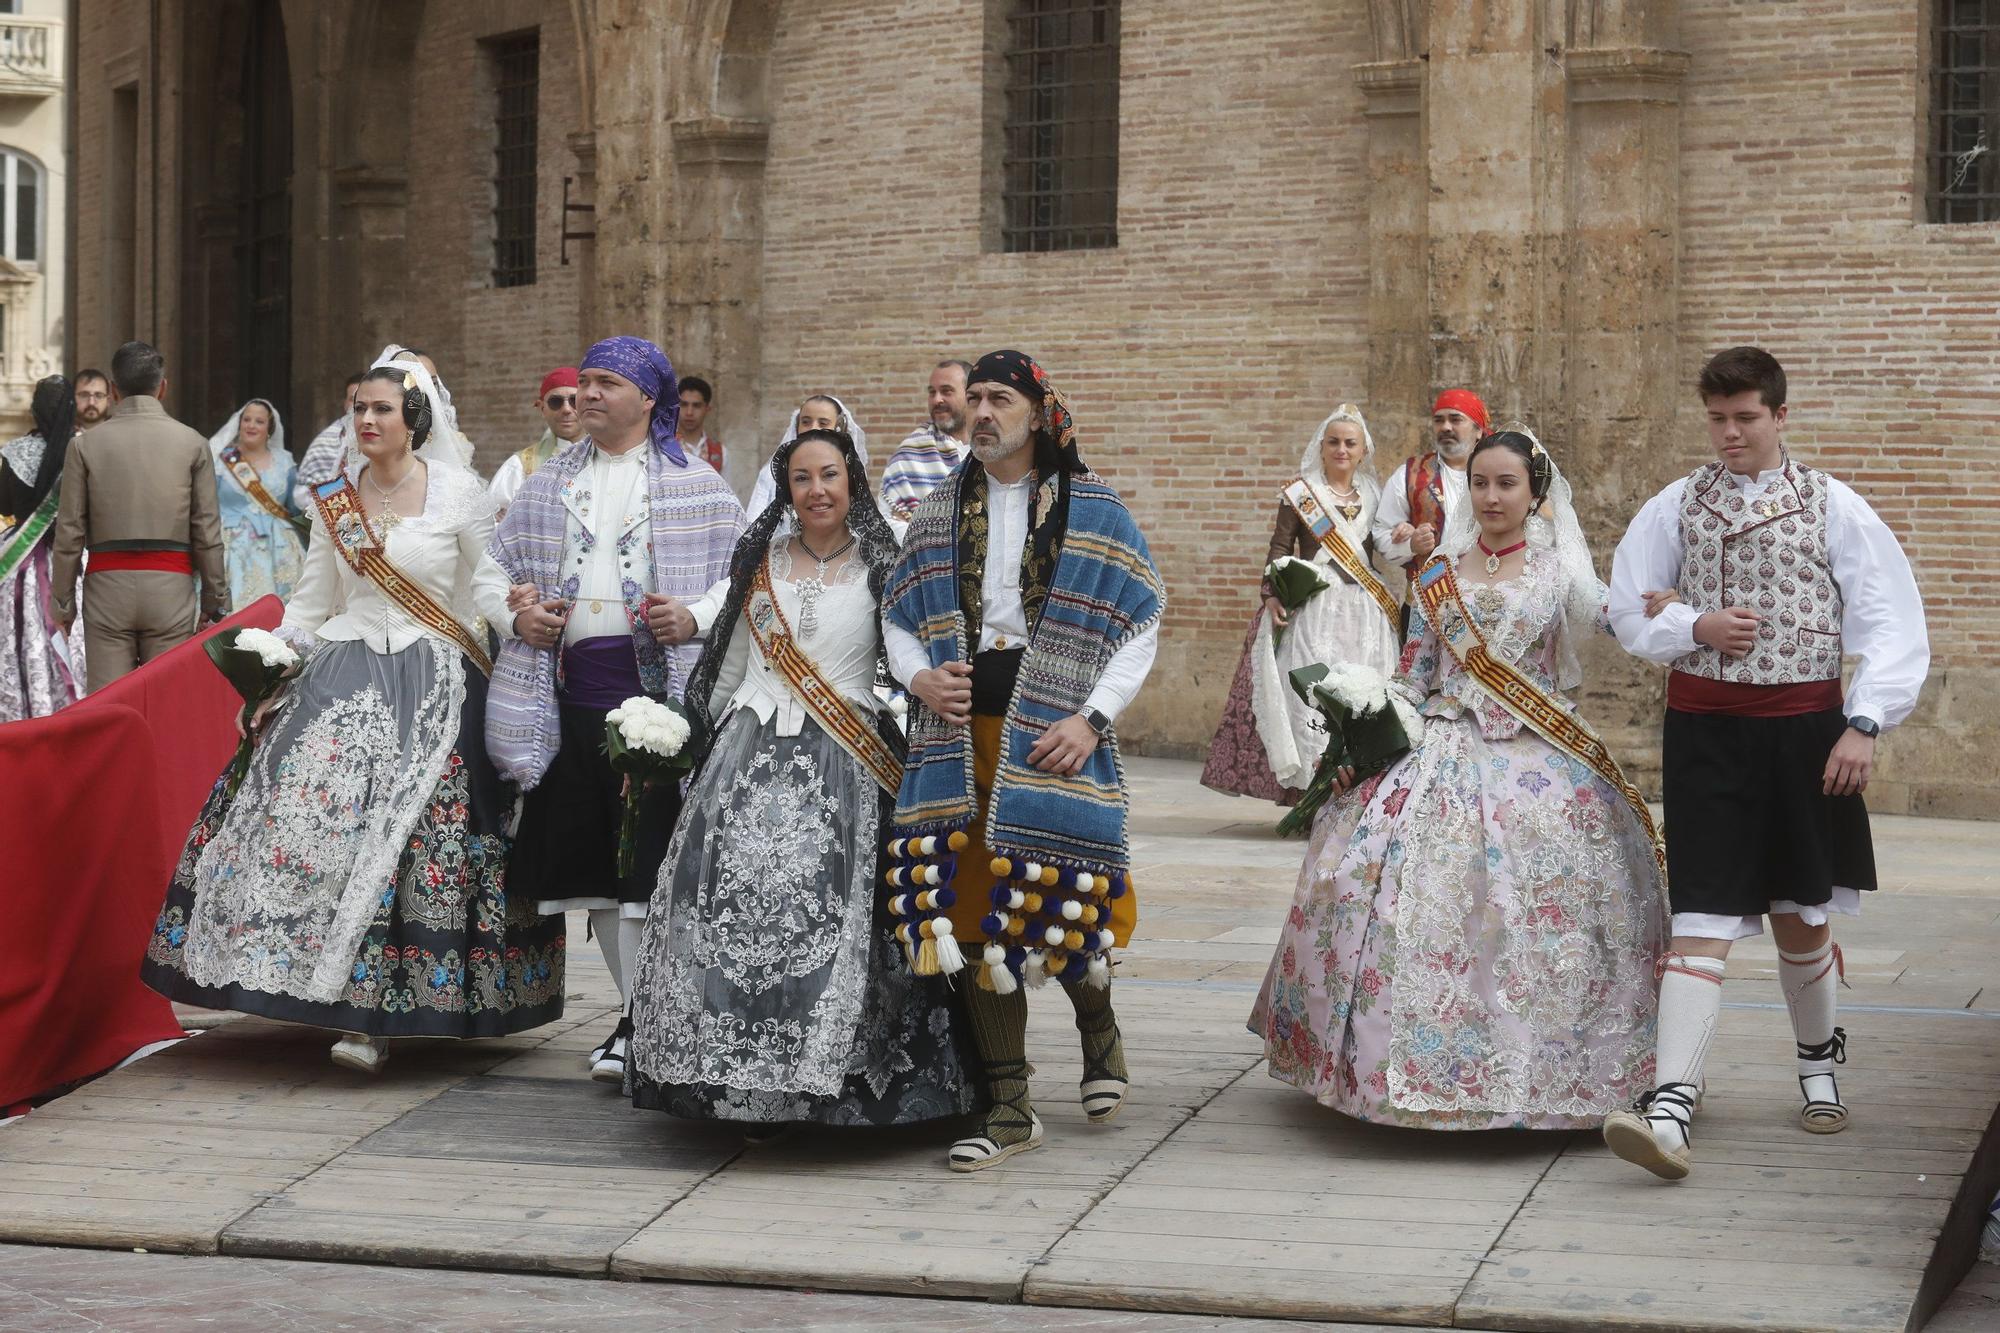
647	741
256	662
1368	726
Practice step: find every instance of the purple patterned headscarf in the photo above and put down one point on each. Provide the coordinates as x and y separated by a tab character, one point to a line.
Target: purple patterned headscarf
646	366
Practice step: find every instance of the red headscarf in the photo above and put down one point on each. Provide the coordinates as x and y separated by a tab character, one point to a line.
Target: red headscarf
562	377
1462	400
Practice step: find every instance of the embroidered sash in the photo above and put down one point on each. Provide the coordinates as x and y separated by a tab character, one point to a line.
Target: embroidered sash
340	509
835	713
253	486
16	548
1437	588
1304	501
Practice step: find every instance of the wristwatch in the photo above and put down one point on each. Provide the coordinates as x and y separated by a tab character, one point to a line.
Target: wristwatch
1098	722
1867	726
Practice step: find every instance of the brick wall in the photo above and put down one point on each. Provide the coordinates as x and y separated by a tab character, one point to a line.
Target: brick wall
1233	313
1801	208
1198	354
492	344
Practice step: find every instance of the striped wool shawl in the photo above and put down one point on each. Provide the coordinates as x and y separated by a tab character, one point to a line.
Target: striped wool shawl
695	523
1105	590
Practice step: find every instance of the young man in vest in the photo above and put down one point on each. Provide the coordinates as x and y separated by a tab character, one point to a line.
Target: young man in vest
1780	570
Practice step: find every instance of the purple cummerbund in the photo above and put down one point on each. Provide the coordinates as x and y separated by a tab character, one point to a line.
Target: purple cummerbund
600	673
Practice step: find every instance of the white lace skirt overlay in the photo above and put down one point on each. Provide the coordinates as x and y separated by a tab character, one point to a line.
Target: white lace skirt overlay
289	883
756	957
1342	624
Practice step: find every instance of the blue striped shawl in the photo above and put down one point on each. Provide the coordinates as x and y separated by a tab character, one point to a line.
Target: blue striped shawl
695	523
1105	590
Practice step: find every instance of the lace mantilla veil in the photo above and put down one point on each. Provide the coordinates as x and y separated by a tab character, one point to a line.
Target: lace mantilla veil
1552	528
225	437
456	496
1312	468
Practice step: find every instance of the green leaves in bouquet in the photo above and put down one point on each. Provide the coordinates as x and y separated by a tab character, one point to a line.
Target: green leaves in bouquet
247	674
1367	742
1294	582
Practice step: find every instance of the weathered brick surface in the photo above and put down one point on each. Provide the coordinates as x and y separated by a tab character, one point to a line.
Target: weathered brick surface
1234	311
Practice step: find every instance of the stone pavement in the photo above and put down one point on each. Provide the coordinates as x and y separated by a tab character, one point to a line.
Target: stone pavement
1218	1191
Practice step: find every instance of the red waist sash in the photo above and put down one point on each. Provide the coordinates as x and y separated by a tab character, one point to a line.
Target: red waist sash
1698	694
165	562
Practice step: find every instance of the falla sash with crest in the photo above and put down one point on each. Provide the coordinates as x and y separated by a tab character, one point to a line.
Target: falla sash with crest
253	486
347	523
1444	607
1304	500
835	713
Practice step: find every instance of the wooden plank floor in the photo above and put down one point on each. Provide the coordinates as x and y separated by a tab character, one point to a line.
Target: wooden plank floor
1217	1191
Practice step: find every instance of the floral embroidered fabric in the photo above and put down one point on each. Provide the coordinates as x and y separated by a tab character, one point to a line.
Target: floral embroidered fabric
1472	939
357	878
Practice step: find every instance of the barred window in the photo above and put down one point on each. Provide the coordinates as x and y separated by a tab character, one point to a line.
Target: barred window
1060	162
517	64
1965	112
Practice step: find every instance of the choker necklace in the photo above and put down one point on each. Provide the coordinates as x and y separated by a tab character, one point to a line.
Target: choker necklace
1493	556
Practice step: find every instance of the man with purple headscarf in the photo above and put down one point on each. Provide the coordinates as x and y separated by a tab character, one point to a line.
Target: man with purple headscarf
597	542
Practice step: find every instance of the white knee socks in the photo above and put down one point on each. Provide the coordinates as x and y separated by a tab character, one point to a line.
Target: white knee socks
604	924
631	931
1690	1004
1812	982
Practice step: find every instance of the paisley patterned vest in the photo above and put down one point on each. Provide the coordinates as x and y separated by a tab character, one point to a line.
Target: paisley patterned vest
1770	557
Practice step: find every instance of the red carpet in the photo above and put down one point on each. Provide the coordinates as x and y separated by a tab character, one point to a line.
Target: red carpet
98	801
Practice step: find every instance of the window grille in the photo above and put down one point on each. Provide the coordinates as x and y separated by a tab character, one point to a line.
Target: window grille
1965	112
516	85
1060	159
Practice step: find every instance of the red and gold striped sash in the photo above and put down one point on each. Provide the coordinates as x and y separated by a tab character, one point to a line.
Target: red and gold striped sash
253	486
834	712
1437	588
1305	502
340	509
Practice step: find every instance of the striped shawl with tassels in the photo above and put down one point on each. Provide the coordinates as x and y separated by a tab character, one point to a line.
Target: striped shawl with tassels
1104	591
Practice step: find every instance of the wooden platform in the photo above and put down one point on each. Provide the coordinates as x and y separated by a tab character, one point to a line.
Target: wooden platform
1217	1191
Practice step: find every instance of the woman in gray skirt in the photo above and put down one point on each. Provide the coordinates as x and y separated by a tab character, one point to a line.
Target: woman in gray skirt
771	989
356	879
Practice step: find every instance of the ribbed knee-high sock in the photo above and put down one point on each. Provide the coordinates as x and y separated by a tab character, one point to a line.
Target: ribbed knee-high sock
1690	1005
604	925
1000	1031
1098	1026
1812	994
631	933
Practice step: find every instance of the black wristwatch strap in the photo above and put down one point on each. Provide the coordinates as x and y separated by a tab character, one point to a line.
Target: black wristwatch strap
1867	726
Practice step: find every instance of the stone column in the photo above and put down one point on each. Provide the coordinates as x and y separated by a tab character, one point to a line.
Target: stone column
1399	362
1620	329
632	45
1494	116
715	310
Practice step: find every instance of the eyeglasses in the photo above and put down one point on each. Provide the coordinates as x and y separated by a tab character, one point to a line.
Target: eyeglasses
556	402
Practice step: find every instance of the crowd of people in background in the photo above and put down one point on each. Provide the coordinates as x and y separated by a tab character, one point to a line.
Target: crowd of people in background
899	687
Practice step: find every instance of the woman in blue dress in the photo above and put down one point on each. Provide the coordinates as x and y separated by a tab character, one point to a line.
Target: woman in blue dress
262	534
